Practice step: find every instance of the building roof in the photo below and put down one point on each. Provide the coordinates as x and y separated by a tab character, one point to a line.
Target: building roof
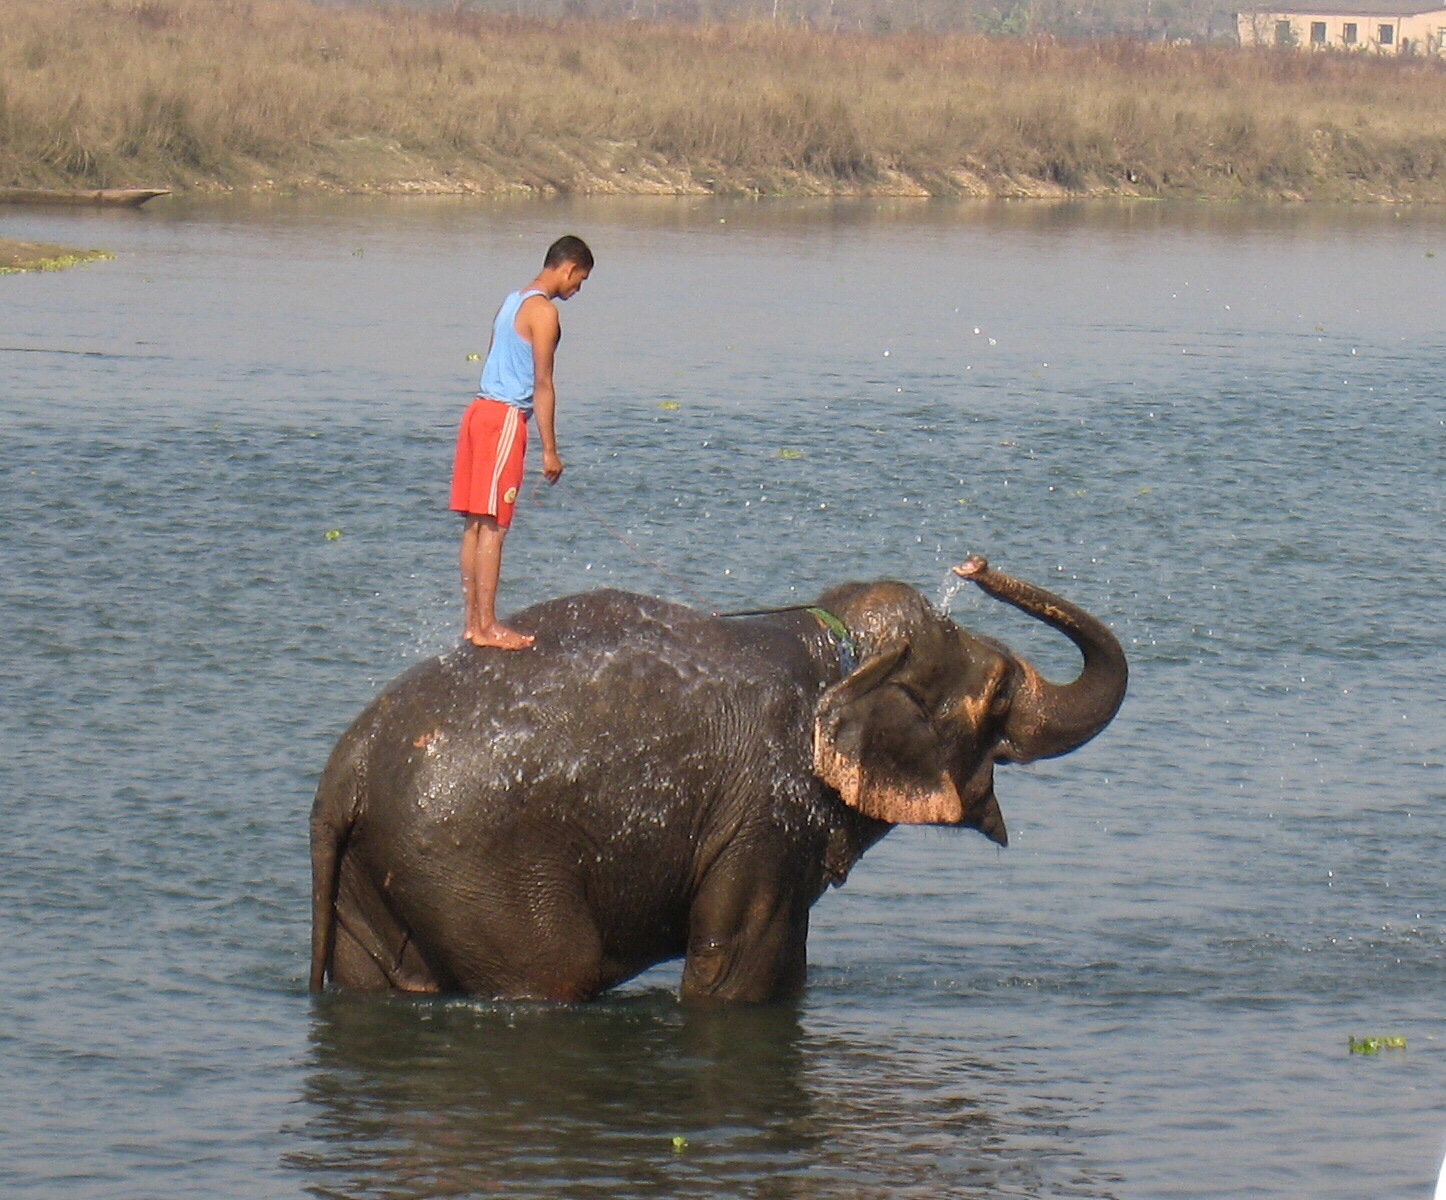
1350	8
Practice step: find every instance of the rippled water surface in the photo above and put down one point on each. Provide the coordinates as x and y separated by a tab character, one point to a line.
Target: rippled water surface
1221	429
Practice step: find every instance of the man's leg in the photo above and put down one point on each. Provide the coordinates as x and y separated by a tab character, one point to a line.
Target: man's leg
480	575
467	561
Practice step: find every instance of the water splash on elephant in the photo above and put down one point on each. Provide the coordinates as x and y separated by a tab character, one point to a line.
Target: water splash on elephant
949	589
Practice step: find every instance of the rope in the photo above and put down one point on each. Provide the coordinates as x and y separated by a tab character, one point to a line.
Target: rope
575	499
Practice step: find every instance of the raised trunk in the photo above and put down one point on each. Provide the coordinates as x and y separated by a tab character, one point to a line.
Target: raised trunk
1049	719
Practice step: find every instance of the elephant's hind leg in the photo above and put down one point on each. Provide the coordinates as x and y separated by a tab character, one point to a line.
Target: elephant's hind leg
373	950
360	964
747	939
526	939
525	964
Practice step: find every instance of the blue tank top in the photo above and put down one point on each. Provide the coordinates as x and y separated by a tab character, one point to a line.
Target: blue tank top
507	375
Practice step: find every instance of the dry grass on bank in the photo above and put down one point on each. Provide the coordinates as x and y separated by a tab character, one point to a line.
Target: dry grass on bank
287	93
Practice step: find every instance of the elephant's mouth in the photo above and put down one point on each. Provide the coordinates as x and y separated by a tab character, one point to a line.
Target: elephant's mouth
981	807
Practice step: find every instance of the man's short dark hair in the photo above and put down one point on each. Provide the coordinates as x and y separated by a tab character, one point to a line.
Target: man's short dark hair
568	249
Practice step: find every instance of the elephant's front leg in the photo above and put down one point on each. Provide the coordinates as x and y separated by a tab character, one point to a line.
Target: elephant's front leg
747	934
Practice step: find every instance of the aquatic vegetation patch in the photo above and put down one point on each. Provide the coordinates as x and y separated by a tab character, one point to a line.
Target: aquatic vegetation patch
1374	1045
17	257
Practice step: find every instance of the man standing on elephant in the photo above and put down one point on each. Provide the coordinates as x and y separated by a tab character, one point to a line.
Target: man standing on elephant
516	385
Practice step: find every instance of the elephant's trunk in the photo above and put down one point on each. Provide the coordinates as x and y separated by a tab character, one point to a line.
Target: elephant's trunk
1049	719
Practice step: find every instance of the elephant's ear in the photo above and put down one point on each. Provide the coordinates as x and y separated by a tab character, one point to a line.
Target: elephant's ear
877	747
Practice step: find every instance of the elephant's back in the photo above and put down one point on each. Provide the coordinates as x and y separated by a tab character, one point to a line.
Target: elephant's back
573	633
613	678
620	693
587	641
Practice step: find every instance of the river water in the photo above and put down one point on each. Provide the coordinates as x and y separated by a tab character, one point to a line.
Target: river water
1222	429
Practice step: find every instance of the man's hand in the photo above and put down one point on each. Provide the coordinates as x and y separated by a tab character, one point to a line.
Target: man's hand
551	466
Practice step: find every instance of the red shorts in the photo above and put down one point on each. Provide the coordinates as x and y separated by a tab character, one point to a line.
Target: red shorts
488	468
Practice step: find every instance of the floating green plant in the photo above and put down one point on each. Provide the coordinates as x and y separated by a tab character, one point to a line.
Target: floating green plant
17	257
790	454
1374	1045
333	535
669	405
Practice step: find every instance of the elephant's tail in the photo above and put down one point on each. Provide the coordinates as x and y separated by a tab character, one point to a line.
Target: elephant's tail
332	817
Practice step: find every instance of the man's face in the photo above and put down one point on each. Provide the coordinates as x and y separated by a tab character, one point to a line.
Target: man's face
572	279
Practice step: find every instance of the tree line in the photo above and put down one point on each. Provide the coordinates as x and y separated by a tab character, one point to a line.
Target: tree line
1146	20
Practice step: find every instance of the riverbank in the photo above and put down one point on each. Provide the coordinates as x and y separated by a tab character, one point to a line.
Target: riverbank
41	256
288	95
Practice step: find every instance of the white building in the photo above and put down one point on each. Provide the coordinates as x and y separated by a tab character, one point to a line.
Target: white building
1370	25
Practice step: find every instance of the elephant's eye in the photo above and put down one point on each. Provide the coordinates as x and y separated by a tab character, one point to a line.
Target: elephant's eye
1000	702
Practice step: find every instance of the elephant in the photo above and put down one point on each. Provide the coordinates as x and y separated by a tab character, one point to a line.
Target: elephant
650	782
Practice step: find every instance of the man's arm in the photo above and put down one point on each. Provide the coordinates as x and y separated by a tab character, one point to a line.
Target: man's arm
539	324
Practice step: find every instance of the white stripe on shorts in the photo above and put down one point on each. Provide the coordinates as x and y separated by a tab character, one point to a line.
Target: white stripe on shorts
504	449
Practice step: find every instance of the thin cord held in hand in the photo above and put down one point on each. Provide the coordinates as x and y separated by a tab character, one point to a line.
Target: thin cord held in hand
575	499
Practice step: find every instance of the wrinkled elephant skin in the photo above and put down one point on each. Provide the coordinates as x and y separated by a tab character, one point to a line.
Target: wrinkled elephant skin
651	782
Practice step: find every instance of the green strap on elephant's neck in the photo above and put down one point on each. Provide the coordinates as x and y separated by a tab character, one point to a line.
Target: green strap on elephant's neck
847	654
831	623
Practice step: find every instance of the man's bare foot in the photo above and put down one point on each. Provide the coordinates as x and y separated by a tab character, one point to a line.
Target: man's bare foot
499	637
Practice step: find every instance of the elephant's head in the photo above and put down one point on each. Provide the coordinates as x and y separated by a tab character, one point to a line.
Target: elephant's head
912	735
